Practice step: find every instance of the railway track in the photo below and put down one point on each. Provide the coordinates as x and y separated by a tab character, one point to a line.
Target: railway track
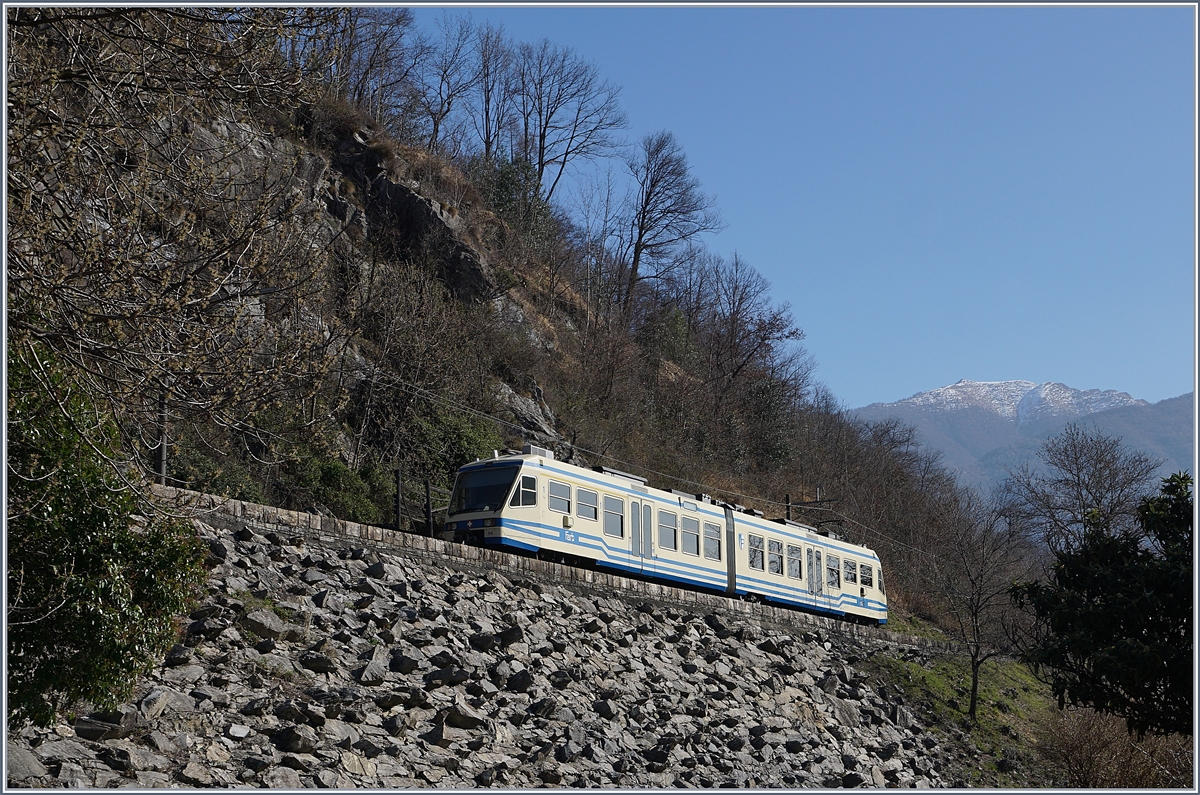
295	528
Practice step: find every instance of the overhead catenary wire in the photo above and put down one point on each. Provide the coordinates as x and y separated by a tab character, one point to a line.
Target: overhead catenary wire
425	393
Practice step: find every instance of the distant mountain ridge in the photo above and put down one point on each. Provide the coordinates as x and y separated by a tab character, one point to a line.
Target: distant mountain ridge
1023	401
983	428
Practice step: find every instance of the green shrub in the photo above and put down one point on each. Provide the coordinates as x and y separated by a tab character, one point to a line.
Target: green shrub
191	466
96	582
332	484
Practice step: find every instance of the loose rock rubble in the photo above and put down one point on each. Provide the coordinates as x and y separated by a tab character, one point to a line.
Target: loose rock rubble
312	666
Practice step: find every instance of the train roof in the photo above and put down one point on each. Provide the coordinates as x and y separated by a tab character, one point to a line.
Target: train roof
640	484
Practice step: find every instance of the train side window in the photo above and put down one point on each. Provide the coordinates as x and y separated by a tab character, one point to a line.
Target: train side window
864	573
833	572
851	572
560	497
756	552
525	494
794	569
775	557
712	541
691	535
614	517
666	530
589	504
879	582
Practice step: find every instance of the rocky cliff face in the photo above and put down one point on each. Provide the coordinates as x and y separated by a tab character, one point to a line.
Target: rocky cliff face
338	664
391	208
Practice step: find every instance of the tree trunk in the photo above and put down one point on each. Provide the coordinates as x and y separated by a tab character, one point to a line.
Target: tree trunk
160	464
627	302
976	664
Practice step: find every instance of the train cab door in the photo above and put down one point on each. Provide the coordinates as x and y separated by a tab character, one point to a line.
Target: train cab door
641	537
816	573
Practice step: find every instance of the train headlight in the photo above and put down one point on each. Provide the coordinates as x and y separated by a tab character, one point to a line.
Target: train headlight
489	522
452	525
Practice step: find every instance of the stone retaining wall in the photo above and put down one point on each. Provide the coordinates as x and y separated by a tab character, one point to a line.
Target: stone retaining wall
329	654
233	515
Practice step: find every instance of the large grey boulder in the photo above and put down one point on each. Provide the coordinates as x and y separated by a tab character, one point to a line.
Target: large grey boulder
165	700
21	764
64	751
196	774
133	758
264	623
108	725
534	416
426	224
296	739
463	716
318	662
846	713
284	778
376	669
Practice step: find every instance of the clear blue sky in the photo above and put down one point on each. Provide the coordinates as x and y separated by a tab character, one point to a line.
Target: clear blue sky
940	193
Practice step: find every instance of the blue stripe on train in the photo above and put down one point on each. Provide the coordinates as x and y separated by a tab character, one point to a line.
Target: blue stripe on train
659	575
809	606
718	584
511	544
606	555
767	588
664	566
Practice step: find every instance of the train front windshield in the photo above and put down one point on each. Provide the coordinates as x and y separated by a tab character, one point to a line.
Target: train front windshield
482	489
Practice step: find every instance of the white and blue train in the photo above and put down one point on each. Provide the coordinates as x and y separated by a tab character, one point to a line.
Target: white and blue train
531	503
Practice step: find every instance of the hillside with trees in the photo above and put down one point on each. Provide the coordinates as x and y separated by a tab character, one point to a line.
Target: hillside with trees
280	254
301	250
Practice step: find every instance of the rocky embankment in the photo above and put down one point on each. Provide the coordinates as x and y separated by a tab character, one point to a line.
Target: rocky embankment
322	664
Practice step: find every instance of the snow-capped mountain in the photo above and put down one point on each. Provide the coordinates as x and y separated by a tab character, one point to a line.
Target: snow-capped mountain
1023	401
984	428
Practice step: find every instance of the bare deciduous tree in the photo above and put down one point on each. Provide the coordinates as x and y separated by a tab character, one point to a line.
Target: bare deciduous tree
492	108
445	78
746	379
565	111
163	258
1083	471
378	52
667	211
974	567
744	327
154	251
597	228
419	341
